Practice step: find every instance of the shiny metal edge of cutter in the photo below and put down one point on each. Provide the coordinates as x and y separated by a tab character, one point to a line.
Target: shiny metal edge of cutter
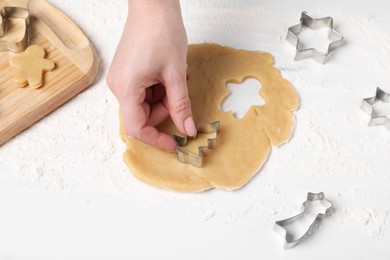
197	159
368	107
307	21
280	226
13	12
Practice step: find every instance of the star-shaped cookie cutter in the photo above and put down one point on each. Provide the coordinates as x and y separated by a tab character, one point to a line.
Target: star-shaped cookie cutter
368	107
307	21
310	211
197	159
20	44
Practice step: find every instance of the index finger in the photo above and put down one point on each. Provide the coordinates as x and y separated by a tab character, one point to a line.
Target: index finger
136	124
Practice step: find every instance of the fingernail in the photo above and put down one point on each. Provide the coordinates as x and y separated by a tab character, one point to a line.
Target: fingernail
189	126
172	149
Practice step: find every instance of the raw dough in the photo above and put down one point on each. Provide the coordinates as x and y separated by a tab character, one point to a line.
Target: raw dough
30	65
243	144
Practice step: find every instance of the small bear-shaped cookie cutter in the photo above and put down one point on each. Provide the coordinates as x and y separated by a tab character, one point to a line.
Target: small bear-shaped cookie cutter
6	13
197	159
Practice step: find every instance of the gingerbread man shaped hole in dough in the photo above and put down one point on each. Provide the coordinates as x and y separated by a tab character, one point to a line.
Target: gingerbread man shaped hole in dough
31	65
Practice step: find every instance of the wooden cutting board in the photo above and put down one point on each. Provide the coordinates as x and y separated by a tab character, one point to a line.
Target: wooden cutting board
65	44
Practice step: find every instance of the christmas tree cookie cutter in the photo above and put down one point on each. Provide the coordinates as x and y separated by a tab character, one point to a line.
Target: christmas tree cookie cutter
368	107
307	21
310	217
7	42
197	159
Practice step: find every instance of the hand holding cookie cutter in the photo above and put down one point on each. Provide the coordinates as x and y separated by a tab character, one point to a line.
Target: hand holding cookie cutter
197	159
307	21
368	107
310	211
14	45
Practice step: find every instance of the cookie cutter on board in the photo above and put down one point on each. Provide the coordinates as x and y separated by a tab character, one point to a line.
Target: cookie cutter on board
6	13
197	159
307	21
368	107
309	211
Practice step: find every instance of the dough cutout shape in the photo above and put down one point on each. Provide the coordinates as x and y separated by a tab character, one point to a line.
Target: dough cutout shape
243	144
31	65
14	23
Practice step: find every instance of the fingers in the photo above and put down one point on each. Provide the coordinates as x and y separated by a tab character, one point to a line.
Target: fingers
179	102
140	125
155	94
151	136
158	113
154	106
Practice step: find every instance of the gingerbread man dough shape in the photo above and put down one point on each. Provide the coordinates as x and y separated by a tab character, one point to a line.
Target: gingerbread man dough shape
30	65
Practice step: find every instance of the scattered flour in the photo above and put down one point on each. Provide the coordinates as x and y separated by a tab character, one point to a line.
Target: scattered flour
332	149
207	215
373	220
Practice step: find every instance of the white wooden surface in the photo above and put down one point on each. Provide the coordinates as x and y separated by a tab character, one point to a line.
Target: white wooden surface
66	194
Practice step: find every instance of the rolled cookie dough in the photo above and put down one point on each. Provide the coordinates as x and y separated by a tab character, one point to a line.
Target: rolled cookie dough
243	144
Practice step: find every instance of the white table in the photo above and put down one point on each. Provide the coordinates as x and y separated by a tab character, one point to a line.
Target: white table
65	192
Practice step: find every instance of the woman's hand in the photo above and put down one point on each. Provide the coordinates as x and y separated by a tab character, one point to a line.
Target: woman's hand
148	72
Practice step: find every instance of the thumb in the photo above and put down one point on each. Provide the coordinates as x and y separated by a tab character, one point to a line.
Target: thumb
179	104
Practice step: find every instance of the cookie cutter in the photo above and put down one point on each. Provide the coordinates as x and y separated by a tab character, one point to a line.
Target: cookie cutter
307	21
197	159
368	107
310	211
13	12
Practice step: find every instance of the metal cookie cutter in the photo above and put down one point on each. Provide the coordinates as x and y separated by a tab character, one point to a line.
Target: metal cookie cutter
368	107
309	218
197	159
14	45
306	20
